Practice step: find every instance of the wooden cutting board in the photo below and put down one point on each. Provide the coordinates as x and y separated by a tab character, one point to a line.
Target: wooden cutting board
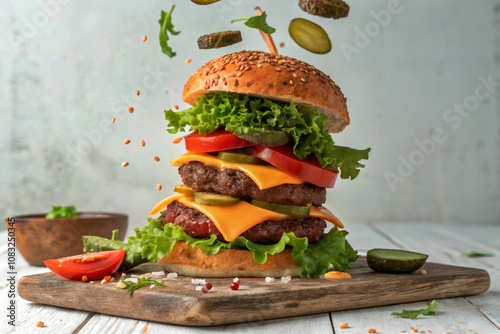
179	303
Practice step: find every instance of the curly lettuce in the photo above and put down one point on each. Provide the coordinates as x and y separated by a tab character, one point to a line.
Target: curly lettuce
242	114
155	241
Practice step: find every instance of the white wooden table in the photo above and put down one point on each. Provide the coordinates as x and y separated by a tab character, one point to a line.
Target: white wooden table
445	244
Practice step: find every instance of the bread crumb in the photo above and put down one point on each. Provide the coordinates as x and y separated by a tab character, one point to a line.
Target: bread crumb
40	324
372	330
422	272
344	325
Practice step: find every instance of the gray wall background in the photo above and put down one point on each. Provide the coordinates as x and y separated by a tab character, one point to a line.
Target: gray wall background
421	78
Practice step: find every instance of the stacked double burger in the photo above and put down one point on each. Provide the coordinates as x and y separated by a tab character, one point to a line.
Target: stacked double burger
259	160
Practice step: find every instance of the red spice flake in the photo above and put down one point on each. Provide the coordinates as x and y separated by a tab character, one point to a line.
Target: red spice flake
144	38
107	278
156	158
282	44
130	109
209	286
234	286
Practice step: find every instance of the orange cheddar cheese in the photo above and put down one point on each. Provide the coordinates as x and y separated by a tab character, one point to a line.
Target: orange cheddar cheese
247	215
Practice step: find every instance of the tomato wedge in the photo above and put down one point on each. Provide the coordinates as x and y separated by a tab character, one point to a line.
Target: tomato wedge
309	169
215	141
93	265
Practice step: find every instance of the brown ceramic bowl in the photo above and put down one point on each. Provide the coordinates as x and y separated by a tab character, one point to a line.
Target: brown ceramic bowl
39	239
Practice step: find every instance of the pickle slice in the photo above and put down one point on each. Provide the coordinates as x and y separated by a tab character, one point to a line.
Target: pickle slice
213	199
394	261
267	138
204	2
240	158
294	210
182	189
309	36
219	39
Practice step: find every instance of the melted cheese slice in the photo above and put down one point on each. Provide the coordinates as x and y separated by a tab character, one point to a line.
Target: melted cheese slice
232	220
264	176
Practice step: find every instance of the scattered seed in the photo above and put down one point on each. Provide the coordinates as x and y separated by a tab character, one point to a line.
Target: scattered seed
144	38
177	140
204	289
344	325
85	278
282	44
176	106
158	187
156	158
126	141
130	109
137	92
113	120
337	275
422	272
40	324
124	164
143	143
188	60
372	330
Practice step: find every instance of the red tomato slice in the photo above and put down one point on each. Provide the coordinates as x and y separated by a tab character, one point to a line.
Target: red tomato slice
218	140
309	169
93	265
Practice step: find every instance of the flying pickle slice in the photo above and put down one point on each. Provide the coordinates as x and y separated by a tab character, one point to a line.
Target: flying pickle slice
204	2
219	39
309	36
334	9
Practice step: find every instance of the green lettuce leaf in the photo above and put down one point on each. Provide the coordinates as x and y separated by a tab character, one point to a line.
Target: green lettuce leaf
242	114
257	22
166	26
413	314
62	212
154	241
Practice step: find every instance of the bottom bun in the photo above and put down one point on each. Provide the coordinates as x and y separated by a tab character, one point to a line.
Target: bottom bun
191	261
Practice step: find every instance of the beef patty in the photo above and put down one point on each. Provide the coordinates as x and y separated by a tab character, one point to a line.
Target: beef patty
198	225
201	177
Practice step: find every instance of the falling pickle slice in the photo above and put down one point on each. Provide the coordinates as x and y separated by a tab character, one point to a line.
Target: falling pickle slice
310	36
294	210
213	199
240	158
219	39
267	138
182	189
204	2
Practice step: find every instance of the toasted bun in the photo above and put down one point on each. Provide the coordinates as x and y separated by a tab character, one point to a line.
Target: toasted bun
273	77
191	261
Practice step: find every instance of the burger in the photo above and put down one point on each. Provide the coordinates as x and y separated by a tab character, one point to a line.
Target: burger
259	158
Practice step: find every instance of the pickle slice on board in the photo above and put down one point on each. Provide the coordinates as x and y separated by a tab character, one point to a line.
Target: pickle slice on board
309	36
267	138
294	210
394	261
240	158
213	199
219	39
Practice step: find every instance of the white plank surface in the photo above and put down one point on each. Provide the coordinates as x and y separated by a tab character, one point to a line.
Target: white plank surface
445	244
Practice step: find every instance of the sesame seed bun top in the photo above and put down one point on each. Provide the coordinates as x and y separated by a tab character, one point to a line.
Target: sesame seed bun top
275	77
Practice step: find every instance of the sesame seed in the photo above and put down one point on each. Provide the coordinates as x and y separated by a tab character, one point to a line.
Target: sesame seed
126	141
144	38
137	92
113	120
130	109
176	106
158	187
156	158
143	143
188	60
124	164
